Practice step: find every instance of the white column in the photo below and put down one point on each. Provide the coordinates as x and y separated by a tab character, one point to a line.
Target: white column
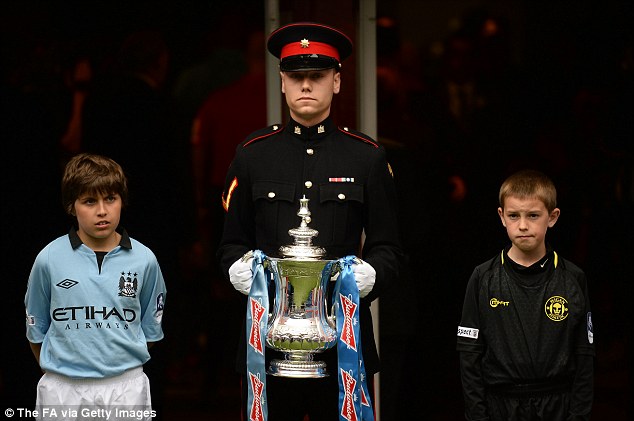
366	59
273	84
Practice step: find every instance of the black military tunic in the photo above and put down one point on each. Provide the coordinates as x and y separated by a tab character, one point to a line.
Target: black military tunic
345	176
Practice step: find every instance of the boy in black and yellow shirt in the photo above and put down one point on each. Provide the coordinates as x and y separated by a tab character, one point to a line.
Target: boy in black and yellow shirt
525	338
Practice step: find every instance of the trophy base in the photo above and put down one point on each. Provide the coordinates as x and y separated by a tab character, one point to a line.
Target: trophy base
298	369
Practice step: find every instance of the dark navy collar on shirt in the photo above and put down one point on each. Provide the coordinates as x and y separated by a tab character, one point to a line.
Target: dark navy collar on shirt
75	241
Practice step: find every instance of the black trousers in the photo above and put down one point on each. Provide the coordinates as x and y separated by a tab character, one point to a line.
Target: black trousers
547	407
292	399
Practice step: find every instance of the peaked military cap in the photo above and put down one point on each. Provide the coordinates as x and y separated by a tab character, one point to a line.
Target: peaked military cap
309	46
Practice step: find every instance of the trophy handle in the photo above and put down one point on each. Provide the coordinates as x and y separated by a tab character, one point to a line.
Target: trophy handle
335	270
270	268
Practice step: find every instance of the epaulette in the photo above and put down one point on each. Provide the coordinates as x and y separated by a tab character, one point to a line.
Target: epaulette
359	136
262	134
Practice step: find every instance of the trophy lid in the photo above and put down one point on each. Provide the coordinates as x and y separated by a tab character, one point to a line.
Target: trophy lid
302	247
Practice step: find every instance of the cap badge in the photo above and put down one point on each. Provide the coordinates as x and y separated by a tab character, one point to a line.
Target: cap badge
304	43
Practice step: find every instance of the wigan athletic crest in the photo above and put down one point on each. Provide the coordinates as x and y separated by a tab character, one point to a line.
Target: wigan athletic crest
128	285
556	308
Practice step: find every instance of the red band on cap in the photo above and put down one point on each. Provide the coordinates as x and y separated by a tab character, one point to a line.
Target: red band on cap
314	47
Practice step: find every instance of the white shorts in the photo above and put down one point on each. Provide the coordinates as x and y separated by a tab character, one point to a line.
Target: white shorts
122	397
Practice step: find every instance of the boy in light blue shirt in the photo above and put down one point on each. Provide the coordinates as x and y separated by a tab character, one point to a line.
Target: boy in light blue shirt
94	302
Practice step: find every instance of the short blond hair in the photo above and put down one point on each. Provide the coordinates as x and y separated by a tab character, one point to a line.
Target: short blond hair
529	184
89	173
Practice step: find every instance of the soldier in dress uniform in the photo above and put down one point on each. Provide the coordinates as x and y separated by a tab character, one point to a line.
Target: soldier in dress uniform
347	179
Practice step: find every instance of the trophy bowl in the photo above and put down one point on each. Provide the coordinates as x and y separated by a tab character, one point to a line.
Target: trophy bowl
300	326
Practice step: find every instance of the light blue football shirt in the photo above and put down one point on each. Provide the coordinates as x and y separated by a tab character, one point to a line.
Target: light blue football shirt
94	323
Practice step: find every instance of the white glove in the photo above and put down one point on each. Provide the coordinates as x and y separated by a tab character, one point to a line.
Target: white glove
365	275
241	275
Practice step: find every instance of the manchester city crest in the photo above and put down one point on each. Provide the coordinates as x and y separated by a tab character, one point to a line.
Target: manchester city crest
128	285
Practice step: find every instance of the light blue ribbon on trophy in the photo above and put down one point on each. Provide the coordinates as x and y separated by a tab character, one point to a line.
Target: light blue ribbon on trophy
257	321
354	399
355	403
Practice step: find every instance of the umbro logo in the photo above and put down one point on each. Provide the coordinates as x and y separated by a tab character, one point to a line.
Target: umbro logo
67	283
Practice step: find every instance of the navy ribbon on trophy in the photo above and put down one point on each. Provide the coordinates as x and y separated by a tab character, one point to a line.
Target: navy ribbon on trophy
354	399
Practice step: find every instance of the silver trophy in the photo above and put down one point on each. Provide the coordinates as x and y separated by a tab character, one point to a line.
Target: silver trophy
300	326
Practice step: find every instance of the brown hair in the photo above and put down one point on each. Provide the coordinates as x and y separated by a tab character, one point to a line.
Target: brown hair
88	173
529	184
